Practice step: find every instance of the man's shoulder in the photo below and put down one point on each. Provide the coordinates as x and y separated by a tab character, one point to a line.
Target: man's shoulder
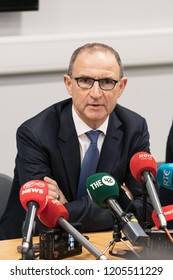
125	113
49	114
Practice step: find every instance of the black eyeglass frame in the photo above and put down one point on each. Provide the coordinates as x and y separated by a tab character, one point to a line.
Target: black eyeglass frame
93	81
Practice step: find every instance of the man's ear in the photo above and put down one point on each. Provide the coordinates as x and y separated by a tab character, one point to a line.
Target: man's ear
121	85
68	84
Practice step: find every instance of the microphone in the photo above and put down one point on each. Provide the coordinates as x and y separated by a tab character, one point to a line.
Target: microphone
104	190
56	214
165	176
143	168
165	181
168	213
33	197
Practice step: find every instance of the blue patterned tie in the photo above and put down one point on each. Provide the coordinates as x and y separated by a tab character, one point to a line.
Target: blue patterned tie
90	161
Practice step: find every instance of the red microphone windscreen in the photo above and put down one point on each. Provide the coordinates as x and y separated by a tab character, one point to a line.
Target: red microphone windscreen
142	161
34	191
52	212
168	213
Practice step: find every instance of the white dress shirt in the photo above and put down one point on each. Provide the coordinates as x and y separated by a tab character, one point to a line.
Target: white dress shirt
82	128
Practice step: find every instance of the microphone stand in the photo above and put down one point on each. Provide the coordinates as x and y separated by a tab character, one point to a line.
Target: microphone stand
28	230
146	225
144	207
80	238
117	236
28	253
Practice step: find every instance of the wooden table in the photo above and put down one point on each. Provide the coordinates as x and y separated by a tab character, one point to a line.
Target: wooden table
8	248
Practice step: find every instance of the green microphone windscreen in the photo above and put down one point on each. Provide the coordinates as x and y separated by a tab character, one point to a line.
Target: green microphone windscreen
102	186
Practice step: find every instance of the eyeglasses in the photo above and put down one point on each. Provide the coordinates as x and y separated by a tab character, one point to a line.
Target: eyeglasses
87	83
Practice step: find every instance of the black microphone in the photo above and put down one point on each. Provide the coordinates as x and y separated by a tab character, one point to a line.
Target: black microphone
55	214
33	197
143	168
104	190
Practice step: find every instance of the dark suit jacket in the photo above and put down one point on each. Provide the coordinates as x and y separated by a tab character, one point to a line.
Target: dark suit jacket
48	146
169	146
165	195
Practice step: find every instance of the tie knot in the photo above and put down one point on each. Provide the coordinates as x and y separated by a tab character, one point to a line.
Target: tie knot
93	135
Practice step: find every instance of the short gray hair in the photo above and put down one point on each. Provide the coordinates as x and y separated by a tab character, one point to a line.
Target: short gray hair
92	47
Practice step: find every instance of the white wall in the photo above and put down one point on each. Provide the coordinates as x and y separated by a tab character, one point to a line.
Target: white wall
35	48
150	93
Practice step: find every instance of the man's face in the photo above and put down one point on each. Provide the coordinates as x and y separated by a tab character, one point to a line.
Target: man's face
95	104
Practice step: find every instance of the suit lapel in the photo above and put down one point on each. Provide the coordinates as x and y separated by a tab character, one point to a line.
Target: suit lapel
111	145
69	147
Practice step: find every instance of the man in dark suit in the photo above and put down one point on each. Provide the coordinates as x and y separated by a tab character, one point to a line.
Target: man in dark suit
166	195
52	144
169	146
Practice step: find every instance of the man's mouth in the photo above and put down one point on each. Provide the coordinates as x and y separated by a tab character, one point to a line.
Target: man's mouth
95	105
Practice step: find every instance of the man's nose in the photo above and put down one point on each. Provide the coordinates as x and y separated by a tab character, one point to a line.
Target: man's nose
96	91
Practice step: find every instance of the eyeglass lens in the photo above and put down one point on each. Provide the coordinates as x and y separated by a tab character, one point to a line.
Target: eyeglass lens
105	84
